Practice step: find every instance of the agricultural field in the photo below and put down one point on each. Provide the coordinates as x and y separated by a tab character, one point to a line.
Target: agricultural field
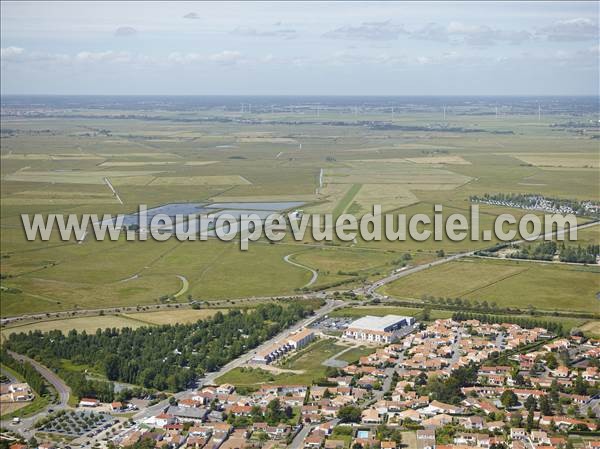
360	311
408	163
184	316
80	324
506	283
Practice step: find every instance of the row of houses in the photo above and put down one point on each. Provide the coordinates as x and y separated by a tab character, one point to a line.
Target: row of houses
295	341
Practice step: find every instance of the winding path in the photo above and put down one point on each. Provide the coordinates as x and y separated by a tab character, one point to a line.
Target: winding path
315	274
184	286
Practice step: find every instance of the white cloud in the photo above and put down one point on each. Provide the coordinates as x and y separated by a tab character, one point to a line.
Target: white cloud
185	58
376	31
475	35
578	29
21	55
125	32
226	57
11	53
191	16
103	56
282	33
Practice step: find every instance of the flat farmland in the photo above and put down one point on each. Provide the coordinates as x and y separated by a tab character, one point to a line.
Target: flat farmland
87	324
508	284
574	160
177	316
58	165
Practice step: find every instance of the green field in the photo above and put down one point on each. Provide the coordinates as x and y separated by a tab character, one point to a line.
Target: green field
58	165
508	284
353	355
360	311
307	363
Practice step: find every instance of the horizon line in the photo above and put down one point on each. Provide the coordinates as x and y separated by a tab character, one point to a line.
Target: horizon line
291	95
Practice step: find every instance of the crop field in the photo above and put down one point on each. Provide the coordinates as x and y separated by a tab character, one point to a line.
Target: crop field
506	283
183	316
360	311
87	324
574	160
57	165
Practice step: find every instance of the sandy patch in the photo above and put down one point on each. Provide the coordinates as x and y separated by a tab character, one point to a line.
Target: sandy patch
450	160
223	180
135	164
199	163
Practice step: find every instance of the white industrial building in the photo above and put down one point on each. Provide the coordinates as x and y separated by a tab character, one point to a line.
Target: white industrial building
377	329
294	342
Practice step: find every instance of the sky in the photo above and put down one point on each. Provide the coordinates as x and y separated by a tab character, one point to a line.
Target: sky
300	48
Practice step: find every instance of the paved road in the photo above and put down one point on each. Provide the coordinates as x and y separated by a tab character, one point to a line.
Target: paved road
36	317
63	390
315	274
210	378
8	375
26	424
371	289
298	441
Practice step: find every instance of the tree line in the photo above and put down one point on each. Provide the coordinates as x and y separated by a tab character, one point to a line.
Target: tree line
27	371
167	357
524	322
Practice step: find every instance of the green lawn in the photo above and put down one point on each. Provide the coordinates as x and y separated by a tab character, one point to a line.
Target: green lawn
354	354
308	362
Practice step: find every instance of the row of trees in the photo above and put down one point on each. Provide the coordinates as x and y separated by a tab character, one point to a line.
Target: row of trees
165	357
27	371
580	254
540	251
525	322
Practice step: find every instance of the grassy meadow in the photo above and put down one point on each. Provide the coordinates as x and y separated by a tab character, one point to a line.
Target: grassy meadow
57	165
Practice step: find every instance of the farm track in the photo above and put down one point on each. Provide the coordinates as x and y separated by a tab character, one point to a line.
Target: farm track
315	274
184	286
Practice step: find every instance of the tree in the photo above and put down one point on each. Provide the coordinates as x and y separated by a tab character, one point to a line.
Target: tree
580	386
384	433
529	424
551	361
530	403
545	407
273	413
349	413
262	437
509	399
426	314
